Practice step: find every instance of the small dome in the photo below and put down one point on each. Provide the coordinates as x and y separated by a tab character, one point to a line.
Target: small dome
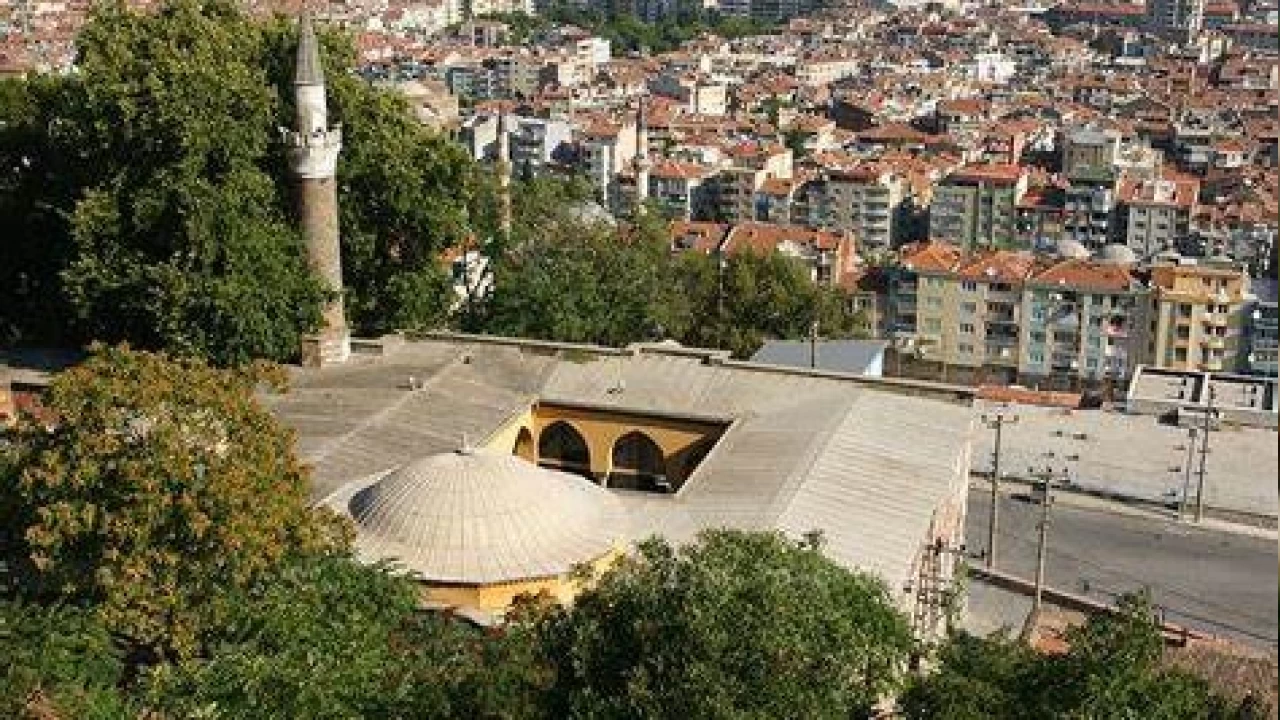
1069	249
1118	254
481	517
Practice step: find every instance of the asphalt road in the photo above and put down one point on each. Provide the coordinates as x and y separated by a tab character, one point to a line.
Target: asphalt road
1219	582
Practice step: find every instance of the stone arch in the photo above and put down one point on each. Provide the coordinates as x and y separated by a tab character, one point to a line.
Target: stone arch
638	464
562	447
524	447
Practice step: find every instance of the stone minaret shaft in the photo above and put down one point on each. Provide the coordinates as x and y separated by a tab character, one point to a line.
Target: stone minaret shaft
504	176
313	149
642	157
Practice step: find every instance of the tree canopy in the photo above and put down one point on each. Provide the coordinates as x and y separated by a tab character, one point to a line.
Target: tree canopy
1112	670
146	197
161	485
734	625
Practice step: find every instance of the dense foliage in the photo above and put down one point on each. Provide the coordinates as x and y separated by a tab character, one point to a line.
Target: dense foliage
737	625
146	197
162	485
1112	670
570	276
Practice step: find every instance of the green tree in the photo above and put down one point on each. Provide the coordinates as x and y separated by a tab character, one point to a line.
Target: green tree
162	485
1112	670
58	661
755	297
734	625
146	197
573	278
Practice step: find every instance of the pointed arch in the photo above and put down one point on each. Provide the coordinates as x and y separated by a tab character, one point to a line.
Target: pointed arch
638	464
562	447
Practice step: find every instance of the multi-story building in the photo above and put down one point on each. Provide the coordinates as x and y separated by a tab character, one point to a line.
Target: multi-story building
1082	321
1088	161
697	93
865	200
738	185
976	206
605	149
682	189
1264	339
1178	20
1197	316
921	264
1157	212
828	256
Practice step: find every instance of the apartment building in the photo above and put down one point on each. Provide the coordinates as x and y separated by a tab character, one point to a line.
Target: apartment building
606	148
738	184
683	190
1263	357
1157	213
865	200
1082	320
1088	161
1177	20
976	206
828	256
1197	315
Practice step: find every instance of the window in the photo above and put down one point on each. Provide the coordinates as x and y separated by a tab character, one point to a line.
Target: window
1035	356
969	286
1184	310
933	302
932	325
966	328
1183	332
1180	354
965	348
1037	336
968	308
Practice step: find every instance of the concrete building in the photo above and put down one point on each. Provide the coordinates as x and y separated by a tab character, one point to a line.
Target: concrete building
697	93
738	184
976	206
682	190
1157	213
1197	316
1176	20
864	200
1264	339
1083	322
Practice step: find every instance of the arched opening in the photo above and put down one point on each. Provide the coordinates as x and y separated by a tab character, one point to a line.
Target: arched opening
638	464
524	446
562	447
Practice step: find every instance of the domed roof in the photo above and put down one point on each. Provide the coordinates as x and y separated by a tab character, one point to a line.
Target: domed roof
1118	254
480	517
1071	250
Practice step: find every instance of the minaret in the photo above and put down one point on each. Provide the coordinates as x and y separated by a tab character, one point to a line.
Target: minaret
504	177
642	157
313	149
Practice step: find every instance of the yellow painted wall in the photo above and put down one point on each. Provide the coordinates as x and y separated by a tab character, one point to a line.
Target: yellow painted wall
496	598
601	429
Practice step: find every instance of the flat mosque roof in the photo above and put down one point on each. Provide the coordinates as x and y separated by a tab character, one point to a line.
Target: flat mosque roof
866	461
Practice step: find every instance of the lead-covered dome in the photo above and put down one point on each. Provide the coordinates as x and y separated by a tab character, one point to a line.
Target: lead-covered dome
477	517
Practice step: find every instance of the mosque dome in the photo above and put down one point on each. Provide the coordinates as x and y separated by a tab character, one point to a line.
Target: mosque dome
481	517
1118	254
1071	250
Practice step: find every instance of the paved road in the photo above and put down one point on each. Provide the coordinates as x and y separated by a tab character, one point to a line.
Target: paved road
1220	582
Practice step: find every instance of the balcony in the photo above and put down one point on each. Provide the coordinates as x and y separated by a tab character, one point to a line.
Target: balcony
1215	342
1215	319
1002	355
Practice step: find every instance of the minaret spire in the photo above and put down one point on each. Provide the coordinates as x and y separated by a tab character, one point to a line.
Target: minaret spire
642	156
313	149
504	175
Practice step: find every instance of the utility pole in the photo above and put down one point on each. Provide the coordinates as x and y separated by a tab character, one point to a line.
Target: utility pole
1209	413
1190	447
813	344
1046	475
996	422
